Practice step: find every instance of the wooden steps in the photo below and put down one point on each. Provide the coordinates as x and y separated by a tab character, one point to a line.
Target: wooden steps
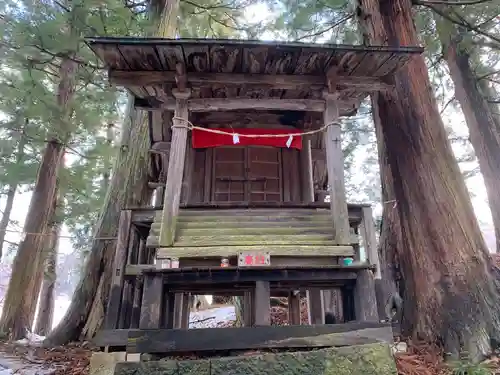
225	232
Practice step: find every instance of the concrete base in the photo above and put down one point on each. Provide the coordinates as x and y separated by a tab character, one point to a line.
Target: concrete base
372	359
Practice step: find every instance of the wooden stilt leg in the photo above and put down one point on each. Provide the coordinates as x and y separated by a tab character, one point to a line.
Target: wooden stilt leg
186	309
178	301
262	303
315	306
294	308
365	300
248	309
151	302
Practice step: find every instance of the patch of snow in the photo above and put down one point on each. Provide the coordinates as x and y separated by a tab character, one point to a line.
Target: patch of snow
6	371
31	339
212	317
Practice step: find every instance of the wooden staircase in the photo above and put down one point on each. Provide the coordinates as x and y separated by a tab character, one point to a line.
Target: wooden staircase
225	232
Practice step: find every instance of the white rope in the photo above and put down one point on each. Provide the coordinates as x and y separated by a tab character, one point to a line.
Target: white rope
190	126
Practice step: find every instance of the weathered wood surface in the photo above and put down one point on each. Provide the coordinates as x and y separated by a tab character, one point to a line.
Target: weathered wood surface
148	214
259	58
335	167
261	303
214	339
373	359
370	240
151	302
175	171
277	81
215	233
317	251
120	260
316	306
365	299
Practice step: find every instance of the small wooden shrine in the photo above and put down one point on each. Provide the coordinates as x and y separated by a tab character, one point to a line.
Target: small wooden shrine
245	142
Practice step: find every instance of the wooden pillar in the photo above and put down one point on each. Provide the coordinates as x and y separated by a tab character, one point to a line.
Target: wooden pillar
333	303
248	309
186	310
151	301
262	303
175	172
114	302
178	305
370	240
335	167
187	180
315	306
306	172
159	196
365	301
294	308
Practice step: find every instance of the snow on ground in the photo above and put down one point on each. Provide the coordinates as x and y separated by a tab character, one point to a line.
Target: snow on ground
212	317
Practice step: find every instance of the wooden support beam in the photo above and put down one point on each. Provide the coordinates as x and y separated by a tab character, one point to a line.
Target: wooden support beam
229	104
365	300
294	308
151	301
306	172
262	303
274	81
335	167
120	262
178	304
175	170
255	338
316	306
248	309
186	309
370	240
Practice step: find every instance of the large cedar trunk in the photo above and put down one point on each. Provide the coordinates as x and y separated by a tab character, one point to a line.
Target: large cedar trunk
45	315
128	187
390	235
449	296
19	302
483	129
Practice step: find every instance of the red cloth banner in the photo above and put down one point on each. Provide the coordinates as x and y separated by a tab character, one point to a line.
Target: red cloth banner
206	139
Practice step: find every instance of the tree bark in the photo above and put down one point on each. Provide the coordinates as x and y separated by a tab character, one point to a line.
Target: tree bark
484	131
11	194
19	301
449	295
45	315
390	242
128	187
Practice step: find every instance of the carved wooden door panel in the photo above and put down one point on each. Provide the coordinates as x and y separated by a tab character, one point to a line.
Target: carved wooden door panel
246	174
264	174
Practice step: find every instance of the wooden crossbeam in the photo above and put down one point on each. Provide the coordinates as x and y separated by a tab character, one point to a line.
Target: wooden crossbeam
245	338
277	81
229	104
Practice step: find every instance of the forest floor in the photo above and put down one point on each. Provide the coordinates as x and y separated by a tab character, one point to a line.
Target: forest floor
28	358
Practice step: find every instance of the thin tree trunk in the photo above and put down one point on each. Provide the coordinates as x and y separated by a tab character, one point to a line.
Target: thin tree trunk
484	131
128	186
4	223
11	194
47	298
107	164
450	295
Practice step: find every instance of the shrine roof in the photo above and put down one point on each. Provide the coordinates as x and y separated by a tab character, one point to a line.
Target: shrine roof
217	68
